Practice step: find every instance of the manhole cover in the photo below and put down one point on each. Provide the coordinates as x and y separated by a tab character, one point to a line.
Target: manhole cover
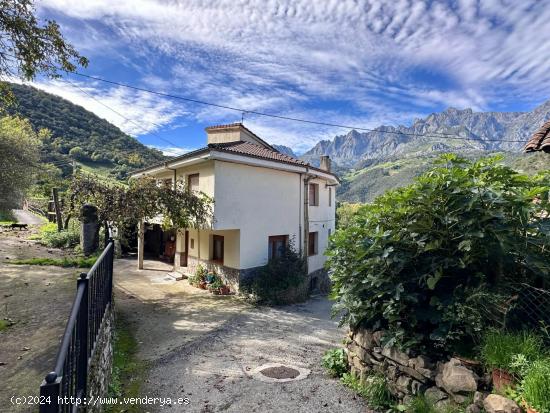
278	373
281	372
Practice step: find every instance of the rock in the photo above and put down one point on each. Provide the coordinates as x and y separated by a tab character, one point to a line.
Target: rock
417	387
377	337
391	372
459	398
442	405
478	398
435	394
421	362
403	383
473	408
364	338
455	378
407	399
359	351
396	355
495	403
413	373
25	349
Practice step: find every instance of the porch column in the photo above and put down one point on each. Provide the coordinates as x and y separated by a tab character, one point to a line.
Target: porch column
141	242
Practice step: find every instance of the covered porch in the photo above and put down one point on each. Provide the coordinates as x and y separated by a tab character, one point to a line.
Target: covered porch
216	250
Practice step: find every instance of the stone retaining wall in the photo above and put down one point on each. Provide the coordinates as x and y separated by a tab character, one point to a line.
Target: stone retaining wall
101	362
442	381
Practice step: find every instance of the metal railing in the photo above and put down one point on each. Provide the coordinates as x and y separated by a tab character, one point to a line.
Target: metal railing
66	386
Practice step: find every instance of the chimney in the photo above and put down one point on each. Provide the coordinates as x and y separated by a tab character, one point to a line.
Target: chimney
325	163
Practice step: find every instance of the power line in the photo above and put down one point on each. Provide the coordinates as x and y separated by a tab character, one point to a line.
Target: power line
124	117
289	118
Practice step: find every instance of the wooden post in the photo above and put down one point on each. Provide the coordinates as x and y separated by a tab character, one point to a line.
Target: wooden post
58	219
141	242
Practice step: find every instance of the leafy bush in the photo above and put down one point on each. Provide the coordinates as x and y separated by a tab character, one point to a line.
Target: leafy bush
65	239
200	275
374	389
334	361
282	280
426	262
510	351
536	386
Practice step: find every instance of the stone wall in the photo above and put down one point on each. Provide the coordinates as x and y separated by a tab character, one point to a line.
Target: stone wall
101	362
442	381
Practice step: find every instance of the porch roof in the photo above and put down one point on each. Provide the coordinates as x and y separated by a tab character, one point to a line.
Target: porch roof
540	141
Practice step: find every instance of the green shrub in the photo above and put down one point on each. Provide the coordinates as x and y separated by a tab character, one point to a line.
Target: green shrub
374	389
426	262
65	239
79	262
335	362
283	280
510	351
536	386
200	275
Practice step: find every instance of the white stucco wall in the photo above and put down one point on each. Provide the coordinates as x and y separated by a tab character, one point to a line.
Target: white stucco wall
260	202
321	220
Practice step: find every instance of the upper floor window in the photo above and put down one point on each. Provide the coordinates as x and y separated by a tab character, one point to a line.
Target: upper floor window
277	245
193	182
313	194
312	243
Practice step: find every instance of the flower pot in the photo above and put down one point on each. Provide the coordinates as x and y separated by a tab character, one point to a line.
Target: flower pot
502	379
202	285
224	290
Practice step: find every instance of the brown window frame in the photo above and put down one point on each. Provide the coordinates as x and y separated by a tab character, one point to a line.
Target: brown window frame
313	200
191	176
218	260
271	240
312	243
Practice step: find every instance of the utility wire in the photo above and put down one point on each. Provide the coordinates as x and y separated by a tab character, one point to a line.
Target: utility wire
289	118
124	117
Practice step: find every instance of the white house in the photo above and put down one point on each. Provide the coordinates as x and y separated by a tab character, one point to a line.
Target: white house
262	199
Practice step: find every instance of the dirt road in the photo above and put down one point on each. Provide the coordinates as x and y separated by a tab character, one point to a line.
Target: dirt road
26	217
203	347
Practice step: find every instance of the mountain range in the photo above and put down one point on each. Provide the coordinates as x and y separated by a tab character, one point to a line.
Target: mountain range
485	131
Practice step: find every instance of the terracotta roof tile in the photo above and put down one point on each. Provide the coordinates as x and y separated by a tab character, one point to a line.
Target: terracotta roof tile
250	149
540	141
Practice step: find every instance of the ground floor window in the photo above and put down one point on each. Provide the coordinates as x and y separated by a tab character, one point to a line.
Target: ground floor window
277	245
217	250
312	243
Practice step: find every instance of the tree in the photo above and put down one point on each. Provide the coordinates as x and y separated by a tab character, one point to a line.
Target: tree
141	199
19	154
28	48
430	262
78	153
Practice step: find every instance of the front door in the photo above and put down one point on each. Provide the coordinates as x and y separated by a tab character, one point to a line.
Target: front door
185	254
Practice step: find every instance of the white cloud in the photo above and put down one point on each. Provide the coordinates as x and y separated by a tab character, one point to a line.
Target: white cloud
134	112
171	150
283	57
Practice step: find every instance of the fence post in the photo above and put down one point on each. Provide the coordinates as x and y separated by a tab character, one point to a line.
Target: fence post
50	390
82	334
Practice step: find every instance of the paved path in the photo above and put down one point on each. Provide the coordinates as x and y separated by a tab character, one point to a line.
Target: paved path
26	217
202	347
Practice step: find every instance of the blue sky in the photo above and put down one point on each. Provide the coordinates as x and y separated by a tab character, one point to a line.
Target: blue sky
363	63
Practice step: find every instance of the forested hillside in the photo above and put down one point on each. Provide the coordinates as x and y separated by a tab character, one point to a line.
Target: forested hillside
79	135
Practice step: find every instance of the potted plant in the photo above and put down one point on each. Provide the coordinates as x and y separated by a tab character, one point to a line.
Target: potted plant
536	387
215	286
501	348
224	290
200	277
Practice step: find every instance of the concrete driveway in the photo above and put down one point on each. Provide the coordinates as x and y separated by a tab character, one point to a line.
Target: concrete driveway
204	347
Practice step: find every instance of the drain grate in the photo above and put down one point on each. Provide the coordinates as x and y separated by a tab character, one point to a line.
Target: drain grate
280	372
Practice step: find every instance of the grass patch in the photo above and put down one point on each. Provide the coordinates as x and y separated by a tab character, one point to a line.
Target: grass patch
78	262
128	372
374	390
4	325
6	218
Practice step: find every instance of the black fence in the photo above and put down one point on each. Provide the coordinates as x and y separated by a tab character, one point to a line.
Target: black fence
64	389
